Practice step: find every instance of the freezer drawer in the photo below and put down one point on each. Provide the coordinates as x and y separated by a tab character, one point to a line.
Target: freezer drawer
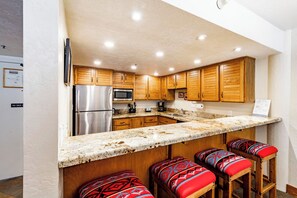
93	122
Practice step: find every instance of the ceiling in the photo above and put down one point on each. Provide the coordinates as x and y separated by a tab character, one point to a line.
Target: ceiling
281	13
11	27
163	27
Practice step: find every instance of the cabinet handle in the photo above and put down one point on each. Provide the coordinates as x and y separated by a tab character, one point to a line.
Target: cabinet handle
97	79
92	79
222	94
202	95
198	95
122	123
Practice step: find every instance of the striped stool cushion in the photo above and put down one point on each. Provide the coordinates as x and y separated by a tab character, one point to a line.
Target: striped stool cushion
252	147
182	176
225	161
119	185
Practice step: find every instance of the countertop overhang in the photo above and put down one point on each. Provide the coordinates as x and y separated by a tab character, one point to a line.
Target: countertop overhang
87	148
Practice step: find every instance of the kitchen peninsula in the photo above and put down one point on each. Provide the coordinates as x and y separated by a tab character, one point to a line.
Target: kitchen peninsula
86	157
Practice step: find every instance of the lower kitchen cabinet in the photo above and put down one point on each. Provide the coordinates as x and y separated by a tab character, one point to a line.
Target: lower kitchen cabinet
137	122
121	124
150	121
164	120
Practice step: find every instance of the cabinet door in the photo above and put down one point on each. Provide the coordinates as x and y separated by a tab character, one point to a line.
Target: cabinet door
232	81
171	82
210	83
148	119
136	122
154	87
193	85
164	120
181	80
122	121
165	93
129	78
122	127
117	77
141	87
84	76
103	77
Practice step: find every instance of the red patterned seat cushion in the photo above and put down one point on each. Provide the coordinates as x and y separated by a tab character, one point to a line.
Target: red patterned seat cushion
252	147
224	161
119	185
182	176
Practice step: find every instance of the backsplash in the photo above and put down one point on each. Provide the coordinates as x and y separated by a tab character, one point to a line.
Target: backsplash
141	104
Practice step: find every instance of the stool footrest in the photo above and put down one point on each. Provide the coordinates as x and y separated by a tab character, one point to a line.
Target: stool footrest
268	187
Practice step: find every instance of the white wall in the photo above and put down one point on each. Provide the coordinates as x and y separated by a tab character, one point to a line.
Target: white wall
11	122
45	117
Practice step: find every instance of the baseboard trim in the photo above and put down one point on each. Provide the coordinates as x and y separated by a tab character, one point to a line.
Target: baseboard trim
291	190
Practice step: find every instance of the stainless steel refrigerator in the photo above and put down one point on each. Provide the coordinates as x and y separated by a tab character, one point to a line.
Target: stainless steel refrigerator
92	109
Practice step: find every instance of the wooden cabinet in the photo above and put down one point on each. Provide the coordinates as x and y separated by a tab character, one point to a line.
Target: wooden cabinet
137	122
121	124
177	81
123	80
164	120
193	85
210	83
237	80
165	93
92	76
150	121
147	87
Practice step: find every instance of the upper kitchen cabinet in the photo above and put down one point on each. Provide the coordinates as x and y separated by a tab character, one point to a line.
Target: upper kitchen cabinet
193	85
123	80
210	83
92	76
237	80
165	93
177	81
147	88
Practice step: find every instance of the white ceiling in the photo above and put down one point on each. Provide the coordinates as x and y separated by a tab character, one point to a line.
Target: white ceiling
281	13
11	27
163	27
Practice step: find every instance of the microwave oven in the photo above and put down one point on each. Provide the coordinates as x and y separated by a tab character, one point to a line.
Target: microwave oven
123	94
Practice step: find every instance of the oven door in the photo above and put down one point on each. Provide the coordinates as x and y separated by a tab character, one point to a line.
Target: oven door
122	94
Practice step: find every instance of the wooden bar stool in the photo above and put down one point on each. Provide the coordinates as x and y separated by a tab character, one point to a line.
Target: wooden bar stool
180	177
260	153
118	185
229	167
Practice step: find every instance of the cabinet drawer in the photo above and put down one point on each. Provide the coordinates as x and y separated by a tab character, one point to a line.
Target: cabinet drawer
148	124
121	122
164	120
150	119
123	127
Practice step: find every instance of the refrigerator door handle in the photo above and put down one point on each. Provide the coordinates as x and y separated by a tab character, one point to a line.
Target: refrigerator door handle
77	100
78	124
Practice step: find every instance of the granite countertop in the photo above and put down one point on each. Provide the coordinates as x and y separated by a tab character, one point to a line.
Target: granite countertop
86	148
179	117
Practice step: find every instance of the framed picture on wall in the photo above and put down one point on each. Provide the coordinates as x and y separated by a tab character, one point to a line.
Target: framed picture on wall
12	78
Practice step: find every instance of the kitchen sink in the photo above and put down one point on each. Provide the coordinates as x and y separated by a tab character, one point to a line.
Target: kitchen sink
175	114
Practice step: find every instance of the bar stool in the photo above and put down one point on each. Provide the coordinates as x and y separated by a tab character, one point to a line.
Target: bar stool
260	153
180	177
229	167
118	185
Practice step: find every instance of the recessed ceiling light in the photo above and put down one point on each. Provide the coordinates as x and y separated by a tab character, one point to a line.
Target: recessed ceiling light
136	16
109	44
159	54
202	37
156	74
134	67
197	61
238	49
171	69
97	62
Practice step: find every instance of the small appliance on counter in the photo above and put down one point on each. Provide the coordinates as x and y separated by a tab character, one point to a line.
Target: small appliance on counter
132	108
161	106
148	109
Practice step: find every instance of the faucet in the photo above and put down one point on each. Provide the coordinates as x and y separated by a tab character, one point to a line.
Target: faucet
183	111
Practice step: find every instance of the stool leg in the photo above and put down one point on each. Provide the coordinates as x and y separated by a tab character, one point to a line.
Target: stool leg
211	193
272	177
227	189
259	178
217	187
247	185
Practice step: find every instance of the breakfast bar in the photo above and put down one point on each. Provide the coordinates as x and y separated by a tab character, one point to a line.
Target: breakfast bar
83	158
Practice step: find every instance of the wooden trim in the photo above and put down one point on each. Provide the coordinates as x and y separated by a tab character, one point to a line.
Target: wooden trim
291	190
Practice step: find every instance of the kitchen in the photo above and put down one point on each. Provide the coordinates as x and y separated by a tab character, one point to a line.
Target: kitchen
148	83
